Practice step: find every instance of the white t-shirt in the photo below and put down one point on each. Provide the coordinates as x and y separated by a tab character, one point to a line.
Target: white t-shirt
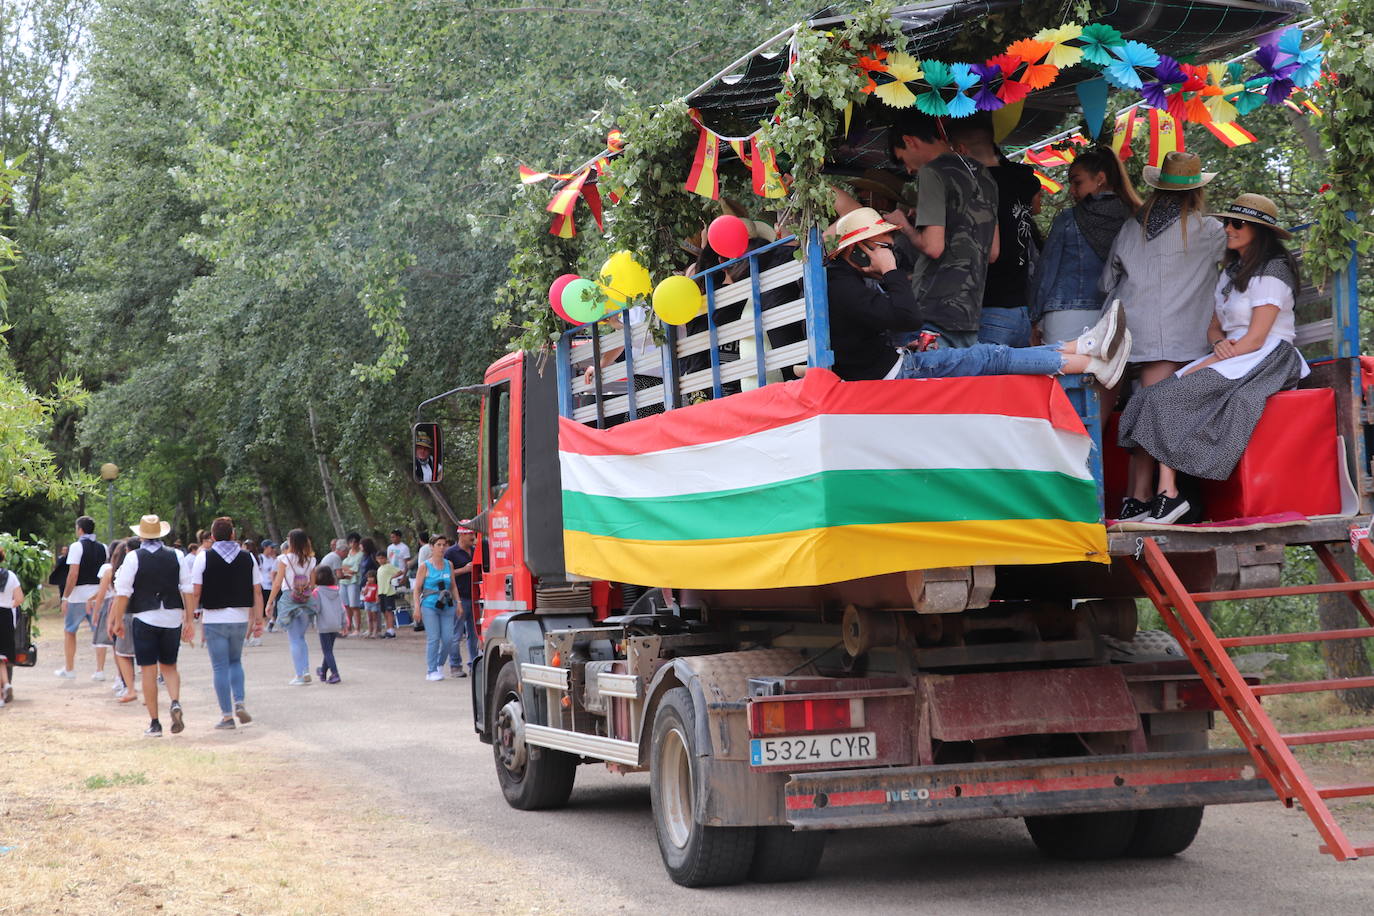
290	569
333	561
426	552
398	555
267	565
10	590
104	575
79	594
1233	313
223	614
161	616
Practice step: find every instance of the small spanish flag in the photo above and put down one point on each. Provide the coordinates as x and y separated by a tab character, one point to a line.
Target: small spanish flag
1166	136
1048	183
741	148
704	179
1122	133
768	181
1231	133
1049	156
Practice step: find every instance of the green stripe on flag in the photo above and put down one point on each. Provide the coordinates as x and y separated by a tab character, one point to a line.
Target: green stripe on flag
835	498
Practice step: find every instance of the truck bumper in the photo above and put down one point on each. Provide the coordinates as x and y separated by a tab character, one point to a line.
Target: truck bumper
882	797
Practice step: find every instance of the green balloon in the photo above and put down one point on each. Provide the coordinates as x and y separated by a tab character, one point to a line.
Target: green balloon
583	300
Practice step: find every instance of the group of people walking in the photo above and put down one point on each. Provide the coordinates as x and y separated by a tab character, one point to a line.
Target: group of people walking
142	597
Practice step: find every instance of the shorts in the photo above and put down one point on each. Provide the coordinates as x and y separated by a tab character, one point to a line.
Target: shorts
76	612
372	607
155	645
100	630
352	595
387	602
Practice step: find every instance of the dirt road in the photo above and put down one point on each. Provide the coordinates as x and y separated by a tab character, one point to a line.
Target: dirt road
380	784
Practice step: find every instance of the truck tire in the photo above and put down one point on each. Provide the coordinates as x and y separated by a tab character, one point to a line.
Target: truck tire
694	854
784	854
531	777
1164	832
1097	835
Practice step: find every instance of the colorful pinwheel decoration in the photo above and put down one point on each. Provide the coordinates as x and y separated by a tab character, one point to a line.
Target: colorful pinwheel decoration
1307	62
1100	41
943	78
1127	62
895	81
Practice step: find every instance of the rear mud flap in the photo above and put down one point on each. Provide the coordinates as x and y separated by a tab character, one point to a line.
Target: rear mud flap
838	799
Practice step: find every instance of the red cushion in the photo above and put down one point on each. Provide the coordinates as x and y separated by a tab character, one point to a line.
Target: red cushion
1289	465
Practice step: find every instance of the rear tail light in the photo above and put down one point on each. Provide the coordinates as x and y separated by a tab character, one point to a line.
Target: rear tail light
777	716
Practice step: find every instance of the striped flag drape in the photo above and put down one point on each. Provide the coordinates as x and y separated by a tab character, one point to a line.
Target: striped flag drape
820	481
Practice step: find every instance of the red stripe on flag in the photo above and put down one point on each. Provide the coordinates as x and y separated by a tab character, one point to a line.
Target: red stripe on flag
821	391
1122	133
704	177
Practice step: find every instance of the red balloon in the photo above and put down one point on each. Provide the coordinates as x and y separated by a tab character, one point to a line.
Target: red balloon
556	296
728	235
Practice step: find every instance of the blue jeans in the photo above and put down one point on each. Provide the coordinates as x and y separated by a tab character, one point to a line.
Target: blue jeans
438	635
467	631
225	642
1008	327
300	652
983	359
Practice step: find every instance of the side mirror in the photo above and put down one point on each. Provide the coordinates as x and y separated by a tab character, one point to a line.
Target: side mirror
428	452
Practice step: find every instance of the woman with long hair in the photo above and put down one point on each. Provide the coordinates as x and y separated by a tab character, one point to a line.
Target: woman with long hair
126	690
433	596
1065	299
1200	420
1163	268
293	585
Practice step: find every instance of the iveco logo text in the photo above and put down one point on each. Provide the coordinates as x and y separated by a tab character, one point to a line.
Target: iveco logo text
906	795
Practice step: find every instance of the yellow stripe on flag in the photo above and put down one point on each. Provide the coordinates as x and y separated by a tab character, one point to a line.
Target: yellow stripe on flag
1121	134
704	179
1166	136
1048	183
1231	133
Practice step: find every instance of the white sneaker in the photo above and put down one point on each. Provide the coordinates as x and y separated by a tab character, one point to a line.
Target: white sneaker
1101	339
64	673
120	691
434	676
98	676
1110	369
2	702
297	682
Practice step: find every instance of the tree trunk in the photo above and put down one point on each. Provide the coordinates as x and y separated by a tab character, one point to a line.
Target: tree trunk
1344	657
365	507
331	504
269	515
1309	135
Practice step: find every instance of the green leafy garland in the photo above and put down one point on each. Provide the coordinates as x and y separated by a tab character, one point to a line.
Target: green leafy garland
1348	131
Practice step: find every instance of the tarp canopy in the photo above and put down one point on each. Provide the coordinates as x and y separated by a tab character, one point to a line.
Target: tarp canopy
1200	30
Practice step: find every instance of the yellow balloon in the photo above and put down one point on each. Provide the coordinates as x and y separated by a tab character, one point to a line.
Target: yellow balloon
678	300
623	279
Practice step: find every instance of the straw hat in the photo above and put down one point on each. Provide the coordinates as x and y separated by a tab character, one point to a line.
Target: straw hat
1180	172
882	182
858	225
423	440
150	528
1258	209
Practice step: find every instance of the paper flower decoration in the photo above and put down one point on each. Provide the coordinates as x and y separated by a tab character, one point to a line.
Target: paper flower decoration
1277	72
895	79
1222	111
1011	91
1132	55
1099	41
986	98
1060	54
1306	62
872	63
1247	101
1037	75
1167	75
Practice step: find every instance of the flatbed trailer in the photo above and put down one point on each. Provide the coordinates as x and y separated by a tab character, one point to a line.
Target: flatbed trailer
768	712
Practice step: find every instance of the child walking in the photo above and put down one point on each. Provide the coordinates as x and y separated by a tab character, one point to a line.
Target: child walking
370	605
329	620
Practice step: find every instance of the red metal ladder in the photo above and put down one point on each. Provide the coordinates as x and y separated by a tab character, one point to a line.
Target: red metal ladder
1240	701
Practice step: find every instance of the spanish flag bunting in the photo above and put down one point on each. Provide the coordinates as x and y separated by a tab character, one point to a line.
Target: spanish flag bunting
741	147
1049	157
530	176
566	197
1231	133
704	179
1048	183
768	181
615	140
1166	136
1121	134
602	165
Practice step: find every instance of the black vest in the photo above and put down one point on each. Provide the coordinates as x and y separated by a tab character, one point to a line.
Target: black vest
157	583
228	584
93	557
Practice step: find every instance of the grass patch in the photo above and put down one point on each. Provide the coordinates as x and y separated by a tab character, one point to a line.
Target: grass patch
115	779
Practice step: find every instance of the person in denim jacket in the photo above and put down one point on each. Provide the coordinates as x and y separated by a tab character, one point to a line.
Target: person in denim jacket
1065	298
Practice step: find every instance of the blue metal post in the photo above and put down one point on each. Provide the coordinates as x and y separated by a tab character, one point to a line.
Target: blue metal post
819	355
629	363
716	391
563	360
671	396
756	293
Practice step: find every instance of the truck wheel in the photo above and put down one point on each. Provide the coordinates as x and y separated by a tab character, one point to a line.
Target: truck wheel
531	777
1164	832
1103	835
694	854
784	854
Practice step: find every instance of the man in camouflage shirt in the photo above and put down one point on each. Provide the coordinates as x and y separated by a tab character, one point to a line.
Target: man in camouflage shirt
954	228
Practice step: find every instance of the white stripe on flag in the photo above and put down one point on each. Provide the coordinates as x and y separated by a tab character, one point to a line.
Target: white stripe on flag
834	442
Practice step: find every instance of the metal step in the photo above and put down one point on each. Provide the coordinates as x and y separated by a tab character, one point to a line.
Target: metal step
1319	589
1340	683
1274	639
1353	791
1362	852
1331	737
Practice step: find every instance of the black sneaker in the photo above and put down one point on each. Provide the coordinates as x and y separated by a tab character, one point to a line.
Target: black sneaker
154	730
1168	509
177	723
1133	510
226	724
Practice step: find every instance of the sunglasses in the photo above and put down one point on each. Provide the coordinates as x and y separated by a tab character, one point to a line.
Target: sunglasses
1233	223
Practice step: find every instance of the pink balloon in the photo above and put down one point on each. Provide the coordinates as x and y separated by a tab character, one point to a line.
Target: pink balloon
556	296
728	235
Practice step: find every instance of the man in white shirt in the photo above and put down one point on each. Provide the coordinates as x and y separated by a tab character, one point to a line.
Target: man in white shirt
267	565
338	549
149	585
398	555
84	558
